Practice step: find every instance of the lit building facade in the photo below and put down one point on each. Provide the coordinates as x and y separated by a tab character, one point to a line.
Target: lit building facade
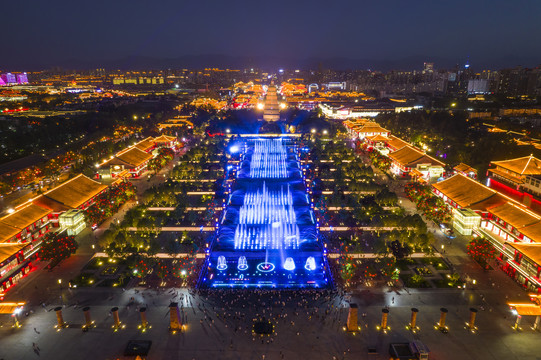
519	179
510	227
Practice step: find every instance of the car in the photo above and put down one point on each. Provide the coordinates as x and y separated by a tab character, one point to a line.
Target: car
94	226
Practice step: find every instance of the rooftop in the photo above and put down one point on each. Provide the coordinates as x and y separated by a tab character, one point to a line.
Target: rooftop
371	129
7	232
515	215
527	165
25	216
465	168
145	144
532	251
133	157
396	143
532	232
8	250
463	190
410	156
75	192
164	138
378	137
507	175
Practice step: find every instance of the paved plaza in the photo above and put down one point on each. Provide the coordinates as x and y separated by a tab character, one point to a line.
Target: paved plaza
308	325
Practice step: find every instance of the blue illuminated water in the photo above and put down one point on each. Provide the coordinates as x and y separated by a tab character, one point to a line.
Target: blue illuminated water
267	235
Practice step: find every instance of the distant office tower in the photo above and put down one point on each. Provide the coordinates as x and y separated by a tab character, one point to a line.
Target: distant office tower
272	112
9	78
22	78
478	86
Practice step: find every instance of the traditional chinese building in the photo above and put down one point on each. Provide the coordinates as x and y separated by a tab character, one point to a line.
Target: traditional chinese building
511	228
76	193
15	263
408	158
519	179
465	170
146	145
165	141
27	223
133	160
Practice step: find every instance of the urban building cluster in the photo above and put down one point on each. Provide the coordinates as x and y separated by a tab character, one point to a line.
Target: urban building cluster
62	208
13	79
519	82
506	211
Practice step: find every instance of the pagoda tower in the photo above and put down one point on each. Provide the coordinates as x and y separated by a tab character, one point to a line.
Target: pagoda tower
272	111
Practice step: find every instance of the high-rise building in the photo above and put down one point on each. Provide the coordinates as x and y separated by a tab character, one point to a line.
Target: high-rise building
9	78
22	78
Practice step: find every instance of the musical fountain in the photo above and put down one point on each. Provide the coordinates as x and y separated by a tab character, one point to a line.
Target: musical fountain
267	235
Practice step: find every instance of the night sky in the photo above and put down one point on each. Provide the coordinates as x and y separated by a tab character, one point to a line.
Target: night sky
42	33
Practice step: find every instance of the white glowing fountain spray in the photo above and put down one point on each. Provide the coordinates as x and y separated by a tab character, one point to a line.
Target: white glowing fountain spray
268	159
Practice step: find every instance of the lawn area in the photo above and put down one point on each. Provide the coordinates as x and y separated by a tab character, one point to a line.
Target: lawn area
402	264
438	263
414	281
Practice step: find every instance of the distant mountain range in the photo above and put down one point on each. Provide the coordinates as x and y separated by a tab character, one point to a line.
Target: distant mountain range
274	63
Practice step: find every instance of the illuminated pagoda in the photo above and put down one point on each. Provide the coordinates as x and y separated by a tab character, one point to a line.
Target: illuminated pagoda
267	235
272	109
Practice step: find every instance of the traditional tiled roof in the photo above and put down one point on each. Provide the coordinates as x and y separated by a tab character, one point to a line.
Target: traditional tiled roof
484	205
507	175
518	217
463	190
464	168
396	143
531	251
409	156
7	232
527	165
133	157
164	139
378	137
50	204
145	144
369	129
75	192
533	232
25	216
8	250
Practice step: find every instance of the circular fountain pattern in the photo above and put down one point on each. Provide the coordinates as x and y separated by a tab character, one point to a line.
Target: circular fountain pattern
265	267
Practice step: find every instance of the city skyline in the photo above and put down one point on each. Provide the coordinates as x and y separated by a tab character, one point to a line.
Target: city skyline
370	34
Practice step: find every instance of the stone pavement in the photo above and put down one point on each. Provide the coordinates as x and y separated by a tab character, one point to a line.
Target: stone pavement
213	331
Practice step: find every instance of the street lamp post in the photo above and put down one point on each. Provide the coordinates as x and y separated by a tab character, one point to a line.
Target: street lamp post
60	287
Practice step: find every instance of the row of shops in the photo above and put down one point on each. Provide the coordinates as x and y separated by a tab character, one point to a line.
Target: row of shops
406	160
505	211
62	209
512	228
21	232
